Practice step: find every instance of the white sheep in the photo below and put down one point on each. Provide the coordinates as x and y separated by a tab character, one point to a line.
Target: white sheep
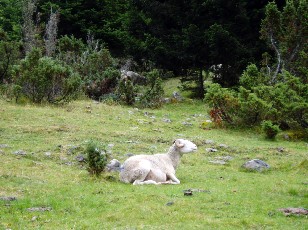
157	168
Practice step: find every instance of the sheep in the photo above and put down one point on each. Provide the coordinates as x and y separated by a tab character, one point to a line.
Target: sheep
158	168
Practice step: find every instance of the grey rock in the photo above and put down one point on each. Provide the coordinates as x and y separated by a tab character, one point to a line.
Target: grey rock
39	209
170	203
80	158
2	146
166	120
209	142
224	158
211	150
256	165
48	154
218	162
177	96
8	198
20	153
114	165
223	146
186	123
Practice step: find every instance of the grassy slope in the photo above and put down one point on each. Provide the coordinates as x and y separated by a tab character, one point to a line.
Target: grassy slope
234	199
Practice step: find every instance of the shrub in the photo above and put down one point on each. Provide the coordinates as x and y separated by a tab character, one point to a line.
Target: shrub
96	157
151	97
105	84
284	103
270	129
224	102
46	79
127	92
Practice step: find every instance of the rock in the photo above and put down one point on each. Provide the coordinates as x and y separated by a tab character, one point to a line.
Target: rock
224	158
2	146
170	203
8	198
166	120
218	162
209	142
223	146
211	150
177	96
48	154
80	158
280	149
188	192
39	209
186	123
20	153
294	211
114	165
256	165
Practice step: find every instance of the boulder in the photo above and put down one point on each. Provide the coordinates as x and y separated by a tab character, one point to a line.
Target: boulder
256	165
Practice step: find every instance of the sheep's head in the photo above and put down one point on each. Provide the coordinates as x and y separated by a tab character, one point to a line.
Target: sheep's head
185	146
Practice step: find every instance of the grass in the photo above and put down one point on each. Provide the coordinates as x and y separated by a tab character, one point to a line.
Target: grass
225	196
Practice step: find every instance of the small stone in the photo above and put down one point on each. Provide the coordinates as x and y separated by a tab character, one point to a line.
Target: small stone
188	192
209	142
218	162
210	150
280	149
187	123
166	120
170	203
34	218
294	211
2	146
110	145
223	146
39	209
80	158
20	153
48	154
8	198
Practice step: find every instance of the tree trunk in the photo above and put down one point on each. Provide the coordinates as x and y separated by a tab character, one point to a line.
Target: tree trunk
201	85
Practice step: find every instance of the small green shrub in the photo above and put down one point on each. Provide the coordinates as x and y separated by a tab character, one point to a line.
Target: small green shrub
96	157
270	129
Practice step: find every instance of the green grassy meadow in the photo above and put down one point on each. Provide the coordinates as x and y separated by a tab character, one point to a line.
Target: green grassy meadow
224	196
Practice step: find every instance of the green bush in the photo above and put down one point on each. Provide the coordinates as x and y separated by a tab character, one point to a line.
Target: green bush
224	103
45	79
127	91
151	96
96	157
284	103
270	129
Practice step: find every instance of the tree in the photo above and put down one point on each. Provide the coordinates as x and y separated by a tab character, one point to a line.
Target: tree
286	32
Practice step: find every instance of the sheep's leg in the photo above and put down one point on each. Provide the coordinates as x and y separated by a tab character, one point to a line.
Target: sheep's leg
173	179
139	182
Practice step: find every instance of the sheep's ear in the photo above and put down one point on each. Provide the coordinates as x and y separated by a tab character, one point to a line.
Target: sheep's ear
179	144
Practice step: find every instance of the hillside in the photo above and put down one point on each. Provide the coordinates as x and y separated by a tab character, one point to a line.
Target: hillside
50	189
